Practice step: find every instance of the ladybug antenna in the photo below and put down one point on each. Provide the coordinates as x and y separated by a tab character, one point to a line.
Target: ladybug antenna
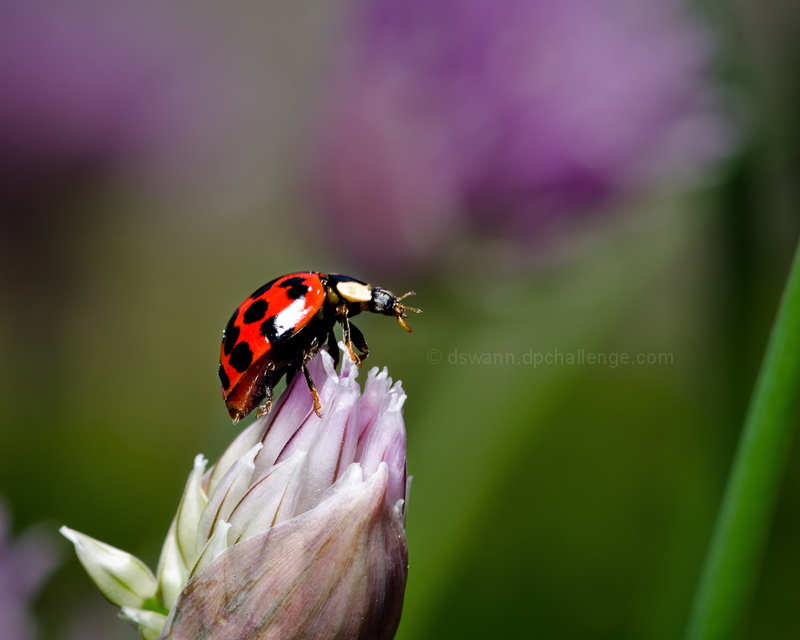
407	308
400	310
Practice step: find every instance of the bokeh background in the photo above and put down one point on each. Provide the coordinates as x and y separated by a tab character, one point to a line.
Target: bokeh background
611	176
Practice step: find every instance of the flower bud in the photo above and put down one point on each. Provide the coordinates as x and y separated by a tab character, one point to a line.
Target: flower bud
336	571
296	532
122	578
150	622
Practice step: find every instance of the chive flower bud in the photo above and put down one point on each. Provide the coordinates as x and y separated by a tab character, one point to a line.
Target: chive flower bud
298	530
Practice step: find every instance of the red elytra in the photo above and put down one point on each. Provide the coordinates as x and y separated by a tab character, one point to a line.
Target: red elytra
283	324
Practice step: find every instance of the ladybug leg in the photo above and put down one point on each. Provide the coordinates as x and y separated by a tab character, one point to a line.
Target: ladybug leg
333	348
359	341
348	343
264	408
312	387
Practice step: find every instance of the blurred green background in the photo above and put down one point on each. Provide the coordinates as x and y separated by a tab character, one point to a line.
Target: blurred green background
560	501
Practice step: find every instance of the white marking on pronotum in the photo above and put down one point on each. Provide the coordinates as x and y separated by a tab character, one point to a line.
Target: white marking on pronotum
354	291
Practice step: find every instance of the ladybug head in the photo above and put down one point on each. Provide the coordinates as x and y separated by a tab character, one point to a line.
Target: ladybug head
388	304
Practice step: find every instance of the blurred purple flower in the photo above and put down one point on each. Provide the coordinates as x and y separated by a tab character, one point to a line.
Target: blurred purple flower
97	87
508	115
24	565
298	531
92	91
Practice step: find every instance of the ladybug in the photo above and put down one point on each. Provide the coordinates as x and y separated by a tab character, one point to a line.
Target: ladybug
283	324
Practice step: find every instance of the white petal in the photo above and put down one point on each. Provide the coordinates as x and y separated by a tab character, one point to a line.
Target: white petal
271	500
122	578
243	442
150	622
192	503
216	545
172	573
352	479
229	491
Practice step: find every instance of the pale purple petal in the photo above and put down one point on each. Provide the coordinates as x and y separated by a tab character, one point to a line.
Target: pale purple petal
295	409
302	579
385	442
230	490
334	443
271	499
215	546
375	390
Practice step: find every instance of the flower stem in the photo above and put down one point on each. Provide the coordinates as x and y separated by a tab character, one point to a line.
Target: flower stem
743	521
154	604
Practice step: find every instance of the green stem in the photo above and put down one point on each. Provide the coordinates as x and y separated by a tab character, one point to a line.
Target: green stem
743	521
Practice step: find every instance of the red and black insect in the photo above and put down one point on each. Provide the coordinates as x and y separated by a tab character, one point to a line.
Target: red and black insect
283	324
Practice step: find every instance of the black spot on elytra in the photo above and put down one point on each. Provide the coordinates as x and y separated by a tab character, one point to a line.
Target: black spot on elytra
255	312
269	331
231	334
295	287
241	357
223	378
262	289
